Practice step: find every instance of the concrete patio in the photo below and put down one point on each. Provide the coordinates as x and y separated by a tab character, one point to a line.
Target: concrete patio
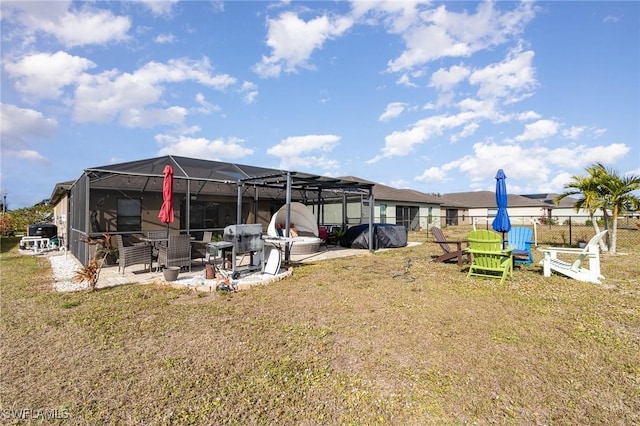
195	279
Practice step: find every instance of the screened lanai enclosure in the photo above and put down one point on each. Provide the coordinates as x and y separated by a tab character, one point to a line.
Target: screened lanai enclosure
125	198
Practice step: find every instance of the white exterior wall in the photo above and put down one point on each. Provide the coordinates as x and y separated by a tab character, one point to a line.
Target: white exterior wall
60	216
562	214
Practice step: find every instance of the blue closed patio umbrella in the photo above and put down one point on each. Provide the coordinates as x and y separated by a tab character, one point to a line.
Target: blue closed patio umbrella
501	223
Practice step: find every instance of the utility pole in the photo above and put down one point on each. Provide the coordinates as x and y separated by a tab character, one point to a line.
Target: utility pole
4	204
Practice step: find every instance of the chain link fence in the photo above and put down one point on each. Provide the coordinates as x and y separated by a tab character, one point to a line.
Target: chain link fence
564	230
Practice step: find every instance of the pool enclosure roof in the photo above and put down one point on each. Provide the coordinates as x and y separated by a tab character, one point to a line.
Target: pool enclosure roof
199	176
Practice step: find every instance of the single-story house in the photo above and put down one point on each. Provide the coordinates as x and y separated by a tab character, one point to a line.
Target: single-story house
480	207
208	195
562	211
413	209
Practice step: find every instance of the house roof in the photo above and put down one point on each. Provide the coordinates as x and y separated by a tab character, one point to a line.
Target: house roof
209	177
59	191
487	199
388	193
549	199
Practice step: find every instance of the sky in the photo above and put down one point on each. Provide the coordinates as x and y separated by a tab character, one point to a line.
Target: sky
432	96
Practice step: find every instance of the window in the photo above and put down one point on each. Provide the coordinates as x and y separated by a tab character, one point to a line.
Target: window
129	215
383	213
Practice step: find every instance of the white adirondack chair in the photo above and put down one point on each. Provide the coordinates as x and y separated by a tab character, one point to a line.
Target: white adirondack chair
575	269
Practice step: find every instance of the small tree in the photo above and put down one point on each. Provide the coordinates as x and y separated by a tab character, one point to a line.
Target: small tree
618	196
6	225
23	217
604	189
591	201
88	273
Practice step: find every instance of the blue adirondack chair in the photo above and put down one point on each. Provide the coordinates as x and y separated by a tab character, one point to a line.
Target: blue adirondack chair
520	238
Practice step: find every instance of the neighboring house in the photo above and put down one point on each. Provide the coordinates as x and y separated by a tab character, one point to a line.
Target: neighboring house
413	209
454	213
563	210
60	202
480	207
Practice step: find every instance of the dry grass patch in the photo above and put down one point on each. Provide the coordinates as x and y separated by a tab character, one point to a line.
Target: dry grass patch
385	338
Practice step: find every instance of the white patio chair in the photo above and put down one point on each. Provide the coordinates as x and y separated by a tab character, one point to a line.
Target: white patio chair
575	269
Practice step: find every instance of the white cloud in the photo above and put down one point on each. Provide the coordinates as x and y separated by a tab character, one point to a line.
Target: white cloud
514	78
208	149
160	8
526	116
393	110
249	91
20	125
44	75
104	96
293	41
467	131
518	162
205	106
149	118
72	28
541	129
433	175
445	80
558	181
401	143
405	80
183	69
437	33
165	38
294	146
323	163
533	165
397	16
301	152
30	155
573	133
586	155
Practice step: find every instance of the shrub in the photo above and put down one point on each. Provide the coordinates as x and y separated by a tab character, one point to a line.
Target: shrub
544	220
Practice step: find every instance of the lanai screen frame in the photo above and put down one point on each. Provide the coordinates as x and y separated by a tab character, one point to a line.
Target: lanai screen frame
290	181
198	177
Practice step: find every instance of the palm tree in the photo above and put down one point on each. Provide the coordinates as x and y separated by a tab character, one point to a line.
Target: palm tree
618	195
604	189
591	201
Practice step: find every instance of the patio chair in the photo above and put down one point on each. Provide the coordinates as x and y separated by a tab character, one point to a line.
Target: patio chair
199	249
489	259
448	254
520	238
575	269
176	253
157	239
132	255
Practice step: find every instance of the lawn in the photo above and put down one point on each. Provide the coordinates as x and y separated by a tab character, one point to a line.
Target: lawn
384	338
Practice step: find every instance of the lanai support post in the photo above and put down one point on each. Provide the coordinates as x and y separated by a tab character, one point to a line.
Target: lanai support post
287	250
371	212
239	204
188	207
